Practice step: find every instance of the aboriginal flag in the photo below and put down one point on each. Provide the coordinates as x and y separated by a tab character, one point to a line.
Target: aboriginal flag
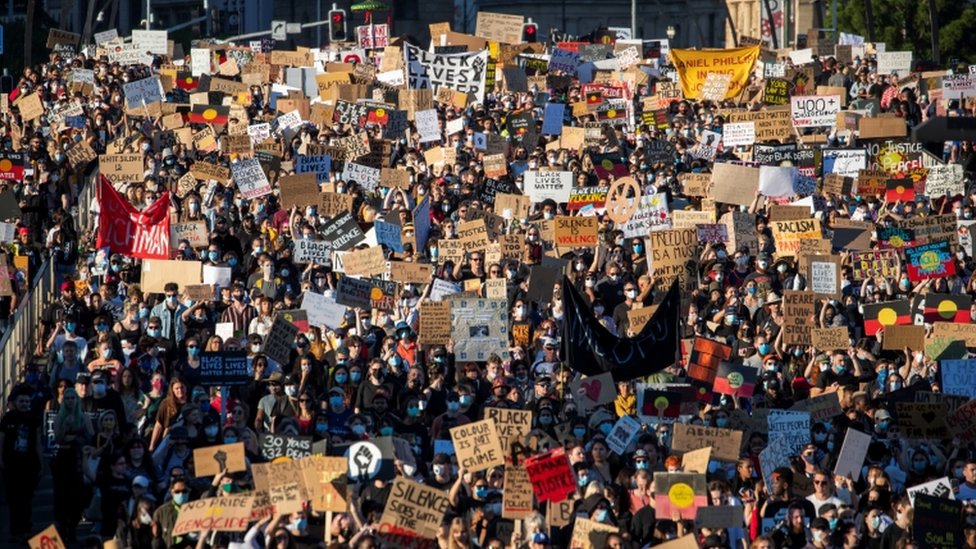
661	403
899	190
607	164
947	308
878	316
208	114
186	81
706	354
734	379
12	166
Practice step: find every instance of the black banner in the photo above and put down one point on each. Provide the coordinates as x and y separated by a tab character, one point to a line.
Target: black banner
220	368
591	349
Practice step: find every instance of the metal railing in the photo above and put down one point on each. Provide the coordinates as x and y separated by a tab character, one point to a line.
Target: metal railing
18	342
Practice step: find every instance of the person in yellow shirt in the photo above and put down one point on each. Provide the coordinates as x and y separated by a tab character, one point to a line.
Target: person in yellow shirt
626	401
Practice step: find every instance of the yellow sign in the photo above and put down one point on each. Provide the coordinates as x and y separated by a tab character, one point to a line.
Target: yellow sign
695	65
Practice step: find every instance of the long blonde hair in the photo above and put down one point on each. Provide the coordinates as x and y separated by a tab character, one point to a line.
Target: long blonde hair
74	418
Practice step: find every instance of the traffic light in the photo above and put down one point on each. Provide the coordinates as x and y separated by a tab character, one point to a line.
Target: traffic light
530	32
337	25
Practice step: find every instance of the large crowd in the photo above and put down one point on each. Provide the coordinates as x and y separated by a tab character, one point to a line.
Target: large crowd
114	405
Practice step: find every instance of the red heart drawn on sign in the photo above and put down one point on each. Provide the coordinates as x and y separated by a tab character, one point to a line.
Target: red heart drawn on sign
592	389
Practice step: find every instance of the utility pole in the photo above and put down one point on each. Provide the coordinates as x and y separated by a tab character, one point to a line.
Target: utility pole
869	19
934	21
633	19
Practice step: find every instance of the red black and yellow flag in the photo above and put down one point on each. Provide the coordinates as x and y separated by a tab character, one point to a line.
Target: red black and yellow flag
208	114
878	316
947	308
12	166
899	190
186	81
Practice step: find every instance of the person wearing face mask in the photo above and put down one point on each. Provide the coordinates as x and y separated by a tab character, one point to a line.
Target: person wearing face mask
137	531
843	372
170	313
103	396
273	406
442	472
610	289
453	417
337	414
164	519
765	280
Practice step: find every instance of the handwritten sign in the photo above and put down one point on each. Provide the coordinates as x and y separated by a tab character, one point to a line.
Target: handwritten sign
478	446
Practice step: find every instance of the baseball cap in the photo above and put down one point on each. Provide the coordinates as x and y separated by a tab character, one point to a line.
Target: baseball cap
140	481
540	537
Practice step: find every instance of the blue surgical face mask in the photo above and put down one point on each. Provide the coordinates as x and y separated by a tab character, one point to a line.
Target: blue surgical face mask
193	351
582	481
300	524
453	406
545	420
341	378
601	515
764	348
335	401
580	432
70	327
721	422
355	377
386	431
644	464
181	498
230	439
465	400
321	428
153	332
413	411
359	429
481	492
605	428
212	256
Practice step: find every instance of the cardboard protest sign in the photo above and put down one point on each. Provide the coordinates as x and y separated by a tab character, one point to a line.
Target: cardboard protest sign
517	497
594	391
575	232
212	460
671	250
789	234
830	339
415	508
435	322
425	70
478	446
922	420
734	184
896	338
368	262
798	309
637	318
221	514
510	424
551	476
696	461
725	443
156	273
286	497
48	538
679	492
590	534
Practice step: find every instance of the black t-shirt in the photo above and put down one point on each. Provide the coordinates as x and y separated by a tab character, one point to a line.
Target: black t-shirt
20	438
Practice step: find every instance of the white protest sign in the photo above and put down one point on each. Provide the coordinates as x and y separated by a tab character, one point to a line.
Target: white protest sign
259	132
958	86
106	36
463	72
739	134
622	433
945	179
200	61
542	185
367	176
152	41
318	251
322	311
564	61
143	92
940	488
852	454
250	178
428	125
823	277
810	111
652	215
899	62
128	54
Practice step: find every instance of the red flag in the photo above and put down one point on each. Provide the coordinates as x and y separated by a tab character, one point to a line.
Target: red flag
128	231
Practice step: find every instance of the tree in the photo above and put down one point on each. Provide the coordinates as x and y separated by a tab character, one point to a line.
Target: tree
905	25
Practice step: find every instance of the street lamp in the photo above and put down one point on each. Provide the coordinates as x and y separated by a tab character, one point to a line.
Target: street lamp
670	32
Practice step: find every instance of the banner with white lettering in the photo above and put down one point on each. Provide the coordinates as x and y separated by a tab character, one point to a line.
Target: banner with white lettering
125	230
463	72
